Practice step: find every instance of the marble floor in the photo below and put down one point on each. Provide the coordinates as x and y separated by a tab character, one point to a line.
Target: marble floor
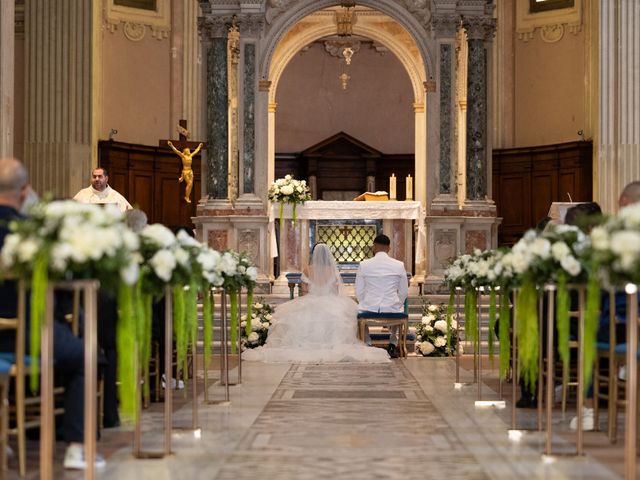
400	420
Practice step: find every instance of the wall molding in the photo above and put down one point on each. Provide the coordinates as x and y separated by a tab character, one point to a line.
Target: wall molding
136	21
551	24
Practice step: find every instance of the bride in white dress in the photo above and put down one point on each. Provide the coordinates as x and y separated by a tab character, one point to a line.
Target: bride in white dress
320	327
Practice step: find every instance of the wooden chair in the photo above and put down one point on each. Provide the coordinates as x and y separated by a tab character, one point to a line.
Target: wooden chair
389	321
5	368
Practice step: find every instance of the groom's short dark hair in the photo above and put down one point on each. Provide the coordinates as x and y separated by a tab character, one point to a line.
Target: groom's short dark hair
382	240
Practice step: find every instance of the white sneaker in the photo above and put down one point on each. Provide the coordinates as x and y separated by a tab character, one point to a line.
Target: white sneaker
74	458
173	383
587	420
622	372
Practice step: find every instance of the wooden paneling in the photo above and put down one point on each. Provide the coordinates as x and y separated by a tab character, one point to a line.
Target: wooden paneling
148	178
527	180
342	163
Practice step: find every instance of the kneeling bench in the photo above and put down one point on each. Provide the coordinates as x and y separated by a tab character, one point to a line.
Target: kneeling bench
386	320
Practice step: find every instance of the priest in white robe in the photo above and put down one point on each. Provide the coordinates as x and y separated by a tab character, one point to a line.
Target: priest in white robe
100	192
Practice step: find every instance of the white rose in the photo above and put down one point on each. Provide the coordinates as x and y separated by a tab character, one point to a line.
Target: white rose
287	190
187	240
265	324
571	265
243	324
433	308
440	341
560	250
541	247
268	316
253	337
159	234
287	177
441	325
428	328
182	256
256	325
280	182
257	306
427	348
27	249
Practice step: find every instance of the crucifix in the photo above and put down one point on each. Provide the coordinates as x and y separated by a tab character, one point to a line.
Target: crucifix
182	147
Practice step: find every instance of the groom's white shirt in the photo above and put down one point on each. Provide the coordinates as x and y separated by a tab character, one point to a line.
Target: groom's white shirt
381	284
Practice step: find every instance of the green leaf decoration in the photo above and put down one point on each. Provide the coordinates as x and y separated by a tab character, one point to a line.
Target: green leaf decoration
503	331
294	215
562	318
527	332
450	307
471	316
39	285
144	313
591	315
492	320
179	330
281	219
249	310
233	298
191	323
207	321
126	342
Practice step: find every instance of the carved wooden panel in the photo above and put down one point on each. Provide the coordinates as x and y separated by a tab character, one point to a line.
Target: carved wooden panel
528	180
148	178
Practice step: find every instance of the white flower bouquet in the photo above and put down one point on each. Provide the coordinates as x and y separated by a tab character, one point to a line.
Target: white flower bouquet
256	325
66	240
289	190
435	335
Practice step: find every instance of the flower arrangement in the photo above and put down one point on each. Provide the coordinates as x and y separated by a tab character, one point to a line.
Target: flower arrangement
66	240
69	240
256	327
289	190
435	335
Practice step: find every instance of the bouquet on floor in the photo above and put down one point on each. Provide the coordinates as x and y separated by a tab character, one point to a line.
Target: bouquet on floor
289	190
260	322
435	337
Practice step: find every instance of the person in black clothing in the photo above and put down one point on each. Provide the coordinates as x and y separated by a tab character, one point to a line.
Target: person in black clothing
68	352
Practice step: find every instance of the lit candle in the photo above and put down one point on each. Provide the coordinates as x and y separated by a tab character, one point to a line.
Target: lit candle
409	195
392	187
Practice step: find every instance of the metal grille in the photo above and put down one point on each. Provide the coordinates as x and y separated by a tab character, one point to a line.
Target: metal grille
348	243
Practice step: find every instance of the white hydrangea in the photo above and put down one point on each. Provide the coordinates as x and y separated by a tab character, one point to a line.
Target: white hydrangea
600	238
159	235
187	240
228	264
163	263
286	190
560	250
571	265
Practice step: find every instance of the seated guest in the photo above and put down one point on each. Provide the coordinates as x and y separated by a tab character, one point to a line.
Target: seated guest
382	287
584	216
68	352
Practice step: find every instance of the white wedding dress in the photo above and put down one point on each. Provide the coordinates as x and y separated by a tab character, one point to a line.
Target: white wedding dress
320	327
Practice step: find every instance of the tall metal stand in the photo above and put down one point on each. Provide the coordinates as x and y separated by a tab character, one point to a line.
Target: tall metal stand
47	440
224	356
168	391
457	384
630	439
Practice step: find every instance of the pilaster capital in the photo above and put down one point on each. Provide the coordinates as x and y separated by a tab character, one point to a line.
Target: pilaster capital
217	25
445	25
479	28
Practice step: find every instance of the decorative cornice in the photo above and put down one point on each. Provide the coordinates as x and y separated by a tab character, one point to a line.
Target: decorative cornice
445	24
479	28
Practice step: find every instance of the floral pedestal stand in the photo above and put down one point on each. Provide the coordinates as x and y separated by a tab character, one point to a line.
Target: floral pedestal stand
458	385
89	289
224	357
168	398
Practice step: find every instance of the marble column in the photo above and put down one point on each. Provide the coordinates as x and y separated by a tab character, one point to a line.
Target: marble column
7	55
479	30
445	26
218	120
618	159
249	132
59	101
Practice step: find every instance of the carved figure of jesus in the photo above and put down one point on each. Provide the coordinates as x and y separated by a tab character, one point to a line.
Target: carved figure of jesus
187	173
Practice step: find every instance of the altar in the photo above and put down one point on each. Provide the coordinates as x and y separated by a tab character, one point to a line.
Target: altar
348	228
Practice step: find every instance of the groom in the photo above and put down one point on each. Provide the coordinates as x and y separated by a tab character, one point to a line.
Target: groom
382	287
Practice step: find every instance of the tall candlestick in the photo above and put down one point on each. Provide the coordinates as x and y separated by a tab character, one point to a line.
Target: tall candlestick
392	187
409	195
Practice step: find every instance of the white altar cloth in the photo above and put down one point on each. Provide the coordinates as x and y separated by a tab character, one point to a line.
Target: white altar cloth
341	210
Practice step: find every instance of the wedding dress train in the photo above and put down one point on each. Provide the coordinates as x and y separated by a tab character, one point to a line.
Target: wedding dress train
320	327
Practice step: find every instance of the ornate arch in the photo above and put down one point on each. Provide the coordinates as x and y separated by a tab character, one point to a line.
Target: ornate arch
391	34
410	22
